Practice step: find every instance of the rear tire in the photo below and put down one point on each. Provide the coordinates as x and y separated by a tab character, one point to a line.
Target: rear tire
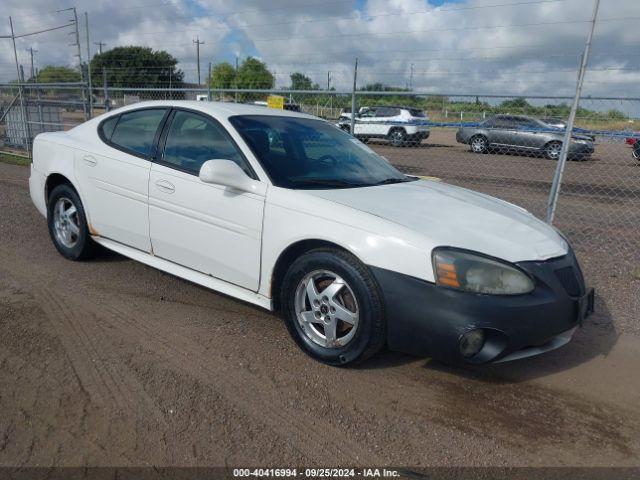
398	137
68	224
479	144
636	153
552	150
332	307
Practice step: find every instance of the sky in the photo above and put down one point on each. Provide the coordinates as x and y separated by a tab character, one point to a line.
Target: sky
476	47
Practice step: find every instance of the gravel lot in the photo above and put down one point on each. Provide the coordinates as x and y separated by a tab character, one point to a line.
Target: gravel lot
109	362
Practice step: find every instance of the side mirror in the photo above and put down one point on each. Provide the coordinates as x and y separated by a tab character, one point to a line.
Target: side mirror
229	174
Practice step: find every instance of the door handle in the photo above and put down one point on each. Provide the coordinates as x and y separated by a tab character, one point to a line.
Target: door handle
91	161
165	186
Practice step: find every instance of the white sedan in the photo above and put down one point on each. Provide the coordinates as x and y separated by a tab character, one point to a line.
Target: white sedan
288	212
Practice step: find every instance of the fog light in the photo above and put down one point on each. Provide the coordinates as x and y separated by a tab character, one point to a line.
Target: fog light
471	343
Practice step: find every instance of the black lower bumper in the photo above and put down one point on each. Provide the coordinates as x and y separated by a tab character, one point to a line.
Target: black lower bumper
425	319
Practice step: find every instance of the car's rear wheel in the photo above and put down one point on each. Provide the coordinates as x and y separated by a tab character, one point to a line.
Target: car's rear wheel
332	307
68	224
398	137
479	144
552	150
636	153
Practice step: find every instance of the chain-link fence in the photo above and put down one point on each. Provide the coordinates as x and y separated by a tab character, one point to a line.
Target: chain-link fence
506	147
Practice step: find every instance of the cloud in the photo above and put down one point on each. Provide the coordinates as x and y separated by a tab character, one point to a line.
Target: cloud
470	46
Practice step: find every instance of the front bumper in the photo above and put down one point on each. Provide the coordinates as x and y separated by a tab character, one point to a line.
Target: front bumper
425	319
580	150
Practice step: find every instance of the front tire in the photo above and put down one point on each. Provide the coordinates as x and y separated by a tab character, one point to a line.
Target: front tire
636	153
332	307
68	224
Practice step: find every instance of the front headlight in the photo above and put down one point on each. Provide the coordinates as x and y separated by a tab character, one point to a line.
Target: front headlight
476	273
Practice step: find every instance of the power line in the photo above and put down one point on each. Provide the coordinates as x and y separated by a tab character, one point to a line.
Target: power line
411	32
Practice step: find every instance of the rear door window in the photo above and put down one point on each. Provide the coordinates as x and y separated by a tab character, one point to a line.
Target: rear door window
136	131
193	139
108	126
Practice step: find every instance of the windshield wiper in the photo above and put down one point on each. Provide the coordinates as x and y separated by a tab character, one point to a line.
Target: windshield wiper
389	181
329	182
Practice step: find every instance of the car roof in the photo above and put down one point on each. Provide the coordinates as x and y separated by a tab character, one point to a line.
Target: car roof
393	106
217	109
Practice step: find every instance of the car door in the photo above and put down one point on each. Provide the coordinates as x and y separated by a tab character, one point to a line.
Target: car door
364	124
114	176
209	228
530	135
504	132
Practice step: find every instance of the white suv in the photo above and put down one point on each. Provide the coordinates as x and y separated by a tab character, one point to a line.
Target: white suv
400	125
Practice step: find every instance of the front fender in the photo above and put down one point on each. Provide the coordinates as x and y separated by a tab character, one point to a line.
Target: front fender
374	241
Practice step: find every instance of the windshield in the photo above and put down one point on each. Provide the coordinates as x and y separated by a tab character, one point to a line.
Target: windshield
305	153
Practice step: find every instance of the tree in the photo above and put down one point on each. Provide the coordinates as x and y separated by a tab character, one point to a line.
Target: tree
254	74
299	81
57	74
136	67
223	75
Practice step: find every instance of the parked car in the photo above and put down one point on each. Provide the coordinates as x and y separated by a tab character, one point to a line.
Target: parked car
631	140
287	212
400	125
555	122
521	134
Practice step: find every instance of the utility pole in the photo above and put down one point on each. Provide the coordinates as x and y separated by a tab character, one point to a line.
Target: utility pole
236	80
74	22
328	81
562	160
33	71
353	100
86	23
209	84
197	42
100	45
25	124
411	78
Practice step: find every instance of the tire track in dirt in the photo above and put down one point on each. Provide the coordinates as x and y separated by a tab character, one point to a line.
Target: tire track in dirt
100	378
101	375
262	402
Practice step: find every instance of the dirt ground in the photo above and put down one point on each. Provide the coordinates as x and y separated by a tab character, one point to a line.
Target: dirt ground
109	362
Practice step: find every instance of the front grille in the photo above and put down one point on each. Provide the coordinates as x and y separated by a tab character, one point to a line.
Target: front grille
570	280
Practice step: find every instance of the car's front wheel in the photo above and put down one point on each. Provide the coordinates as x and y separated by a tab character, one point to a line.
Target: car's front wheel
636	153
332	307
68	224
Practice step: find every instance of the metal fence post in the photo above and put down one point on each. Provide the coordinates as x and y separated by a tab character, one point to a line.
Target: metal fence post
353	100
106	90
562	160
209	84
23	110
86	21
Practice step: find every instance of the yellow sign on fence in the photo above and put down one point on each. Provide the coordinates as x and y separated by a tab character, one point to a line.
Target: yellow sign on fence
275	101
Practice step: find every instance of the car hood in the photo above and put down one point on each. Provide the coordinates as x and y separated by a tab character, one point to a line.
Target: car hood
452	216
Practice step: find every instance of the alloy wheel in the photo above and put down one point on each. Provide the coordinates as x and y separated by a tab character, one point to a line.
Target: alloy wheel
553	151
326	309
478	144
66	224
